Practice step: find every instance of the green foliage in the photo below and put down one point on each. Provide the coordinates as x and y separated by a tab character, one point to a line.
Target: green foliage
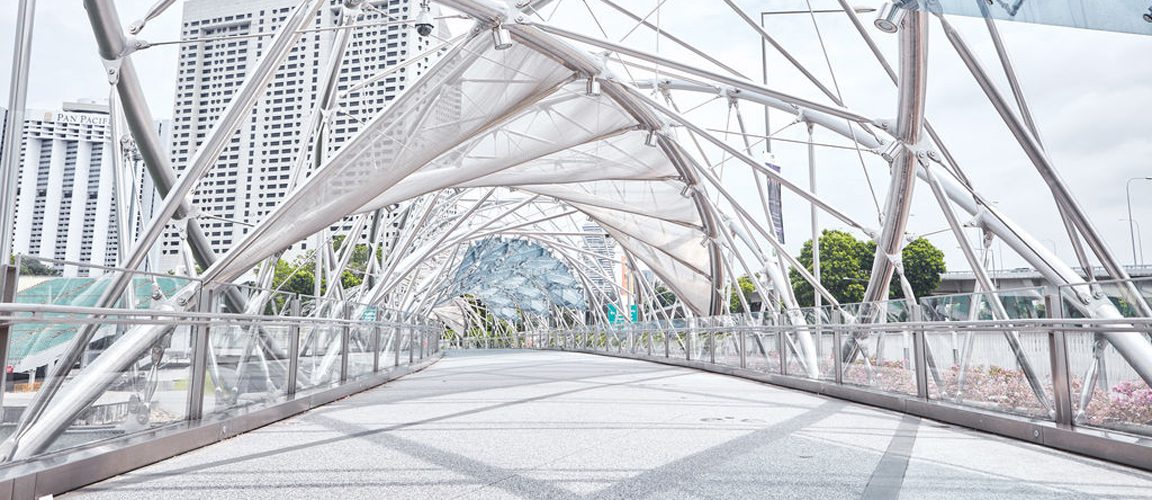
299	275
923	265
747	288
32	267
846	264
664	296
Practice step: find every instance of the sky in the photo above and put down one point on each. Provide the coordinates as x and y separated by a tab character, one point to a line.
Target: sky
1089	92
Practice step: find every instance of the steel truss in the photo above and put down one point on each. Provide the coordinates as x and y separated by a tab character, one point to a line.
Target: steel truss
444	210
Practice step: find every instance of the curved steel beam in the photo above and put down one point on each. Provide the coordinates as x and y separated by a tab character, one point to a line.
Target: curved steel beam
909	130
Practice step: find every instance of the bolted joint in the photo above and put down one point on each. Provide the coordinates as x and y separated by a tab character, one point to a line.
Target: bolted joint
112	70
501	37
891	150
133	44
593	86
653	138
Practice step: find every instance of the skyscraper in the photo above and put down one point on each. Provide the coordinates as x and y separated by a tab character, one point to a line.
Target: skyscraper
66	207
254	172
596	241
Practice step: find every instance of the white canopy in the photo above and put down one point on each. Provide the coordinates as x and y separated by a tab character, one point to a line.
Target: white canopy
510	118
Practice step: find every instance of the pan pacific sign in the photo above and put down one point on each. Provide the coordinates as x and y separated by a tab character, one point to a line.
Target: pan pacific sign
77	118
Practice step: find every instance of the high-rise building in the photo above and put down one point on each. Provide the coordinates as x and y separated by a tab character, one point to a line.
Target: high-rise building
66	196
596	241
255	170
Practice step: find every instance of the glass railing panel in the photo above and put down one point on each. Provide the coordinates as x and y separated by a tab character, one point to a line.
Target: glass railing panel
763	351
726	343
1021	303
319	362
1125	296
389	343
405	344
981	368
360	353
141	394
247	366
678	344
1107	392
881	360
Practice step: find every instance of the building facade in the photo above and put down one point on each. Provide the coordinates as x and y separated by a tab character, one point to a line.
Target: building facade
256	169
596	241
65	201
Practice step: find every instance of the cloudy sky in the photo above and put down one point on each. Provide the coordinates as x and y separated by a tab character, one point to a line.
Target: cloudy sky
1090	93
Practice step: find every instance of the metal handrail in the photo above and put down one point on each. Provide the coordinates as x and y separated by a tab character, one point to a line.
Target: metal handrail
728	349
9	311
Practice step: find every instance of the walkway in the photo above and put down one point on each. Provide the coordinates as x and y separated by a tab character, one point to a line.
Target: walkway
514	424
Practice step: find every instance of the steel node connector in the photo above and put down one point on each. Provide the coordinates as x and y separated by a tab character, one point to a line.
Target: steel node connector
889	17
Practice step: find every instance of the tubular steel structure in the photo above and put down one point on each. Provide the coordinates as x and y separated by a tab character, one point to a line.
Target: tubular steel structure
540	182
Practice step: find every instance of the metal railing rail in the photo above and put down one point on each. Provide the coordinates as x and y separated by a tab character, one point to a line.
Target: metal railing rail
229	372
926	383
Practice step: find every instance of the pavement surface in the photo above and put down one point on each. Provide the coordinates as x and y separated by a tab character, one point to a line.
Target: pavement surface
527	424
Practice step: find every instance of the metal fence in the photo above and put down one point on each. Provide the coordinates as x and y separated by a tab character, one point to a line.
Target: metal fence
1054	381
171	353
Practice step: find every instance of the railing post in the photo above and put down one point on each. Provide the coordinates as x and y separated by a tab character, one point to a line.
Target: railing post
667	344
782	349
920	352
743	346
690	339
837	341
376	348
345	337
200	346
293	345
1058	357
423	340
8	277
712	346
411	351
397	338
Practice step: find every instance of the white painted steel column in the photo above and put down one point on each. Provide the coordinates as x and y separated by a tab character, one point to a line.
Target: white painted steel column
14	125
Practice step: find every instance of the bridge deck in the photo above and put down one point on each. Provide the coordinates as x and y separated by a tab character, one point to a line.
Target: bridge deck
506	424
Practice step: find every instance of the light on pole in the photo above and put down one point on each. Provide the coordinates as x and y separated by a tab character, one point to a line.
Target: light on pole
1140	237
1128	195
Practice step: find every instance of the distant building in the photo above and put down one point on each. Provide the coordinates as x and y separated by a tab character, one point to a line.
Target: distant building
959	282
596	241
255	170
66	206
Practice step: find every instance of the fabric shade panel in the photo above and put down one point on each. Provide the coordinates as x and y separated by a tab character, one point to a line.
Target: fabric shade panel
464	95
513	118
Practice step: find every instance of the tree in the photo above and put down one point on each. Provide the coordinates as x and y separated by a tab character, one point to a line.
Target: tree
299	275
844	263
353	274
923	265
747	288
846	266
33	267
664	297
